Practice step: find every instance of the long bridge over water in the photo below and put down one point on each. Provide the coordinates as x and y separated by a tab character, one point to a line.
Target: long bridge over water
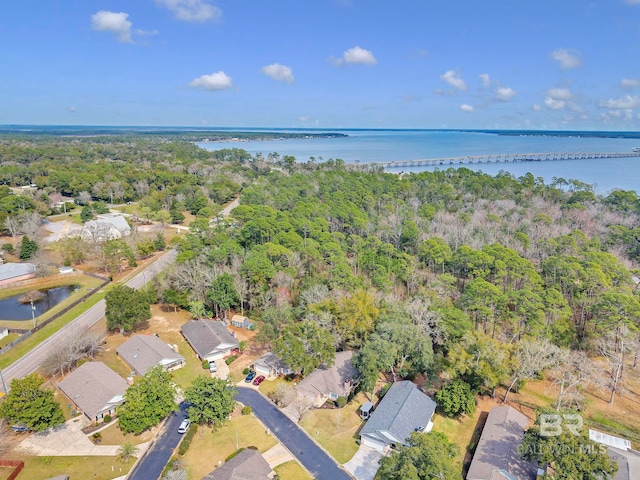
505	158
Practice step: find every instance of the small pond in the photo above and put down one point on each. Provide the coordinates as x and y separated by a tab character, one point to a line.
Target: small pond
12	309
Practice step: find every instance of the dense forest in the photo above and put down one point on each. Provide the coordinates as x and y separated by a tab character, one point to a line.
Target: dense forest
449	273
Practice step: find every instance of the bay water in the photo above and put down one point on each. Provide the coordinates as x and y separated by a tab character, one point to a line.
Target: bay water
365	146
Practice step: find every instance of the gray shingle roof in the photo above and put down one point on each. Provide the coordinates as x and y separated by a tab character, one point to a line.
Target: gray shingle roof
325	380
403	409
12	270
247	465
207	336
142	352
497	449
94	387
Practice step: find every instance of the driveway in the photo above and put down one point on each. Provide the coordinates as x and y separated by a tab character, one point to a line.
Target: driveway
364	464
316	460
159	454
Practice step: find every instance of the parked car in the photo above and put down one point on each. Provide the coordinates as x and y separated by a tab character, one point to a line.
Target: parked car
184	426
258	380
212	367
20	428
250	377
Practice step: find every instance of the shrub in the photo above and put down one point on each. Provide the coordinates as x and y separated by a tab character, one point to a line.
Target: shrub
186	441
107	418
246	410
7	247
97	438
383	391
456	399
341	402
231	455
246	371
230	360
205	364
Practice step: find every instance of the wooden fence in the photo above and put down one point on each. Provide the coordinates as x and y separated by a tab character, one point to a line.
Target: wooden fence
48	280
17	466
24	334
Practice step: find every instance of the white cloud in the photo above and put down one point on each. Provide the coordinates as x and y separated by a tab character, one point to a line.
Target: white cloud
465	107
453	78
485	79
355	56
559	93
633	2
567	59
504	94
215	81
625	102
116	23
146	33
282	73
536	108
630	82
191	10
553	103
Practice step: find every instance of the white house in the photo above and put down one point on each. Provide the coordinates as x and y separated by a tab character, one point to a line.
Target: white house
209	339
107	227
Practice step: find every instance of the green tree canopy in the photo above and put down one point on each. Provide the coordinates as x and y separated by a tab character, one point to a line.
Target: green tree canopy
29	404
126	307
147	401
28	248
427	456
211	400
304	346
456	399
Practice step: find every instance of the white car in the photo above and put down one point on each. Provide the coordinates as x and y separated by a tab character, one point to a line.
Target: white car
212	367
184	426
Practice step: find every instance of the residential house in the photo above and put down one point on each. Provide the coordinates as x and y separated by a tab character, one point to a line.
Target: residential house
107	226
270	366
210	339
142	352
249	464
619	450
16	272
95	389
329	383
403	410
241	321
497	456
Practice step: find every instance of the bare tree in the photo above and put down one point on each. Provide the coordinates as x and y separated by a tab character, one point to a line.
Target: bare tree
30	223
141	187
12	224
84	198
574	372
301	405
613	346
282	395
428	320
532	356
65	357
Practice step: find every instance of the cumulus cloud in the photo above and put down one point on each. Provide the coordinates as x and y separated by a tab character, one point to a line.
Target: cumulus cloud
454	79
465	107
485	79
112	22
559	93
213	82
630	82
278	72
625	102
567	59
536	108
553	103
355	56
504	94
146	33
191	10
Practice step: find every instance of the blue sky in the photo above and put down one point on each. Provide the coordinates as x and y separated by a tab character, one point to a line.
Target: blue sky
569	64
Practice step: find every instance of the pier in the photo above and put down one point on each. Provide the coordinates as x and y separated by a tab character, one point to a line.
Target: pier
504	158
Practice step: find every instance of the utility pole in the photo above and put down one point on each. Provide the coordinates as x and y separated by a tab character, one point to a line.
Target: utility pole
4	385
33	314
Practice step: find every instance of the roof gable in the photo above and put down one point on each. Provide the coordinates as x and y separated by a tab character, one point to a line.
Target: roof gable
403	409
143	352
207	336
324	380
249	464
93	386
12	270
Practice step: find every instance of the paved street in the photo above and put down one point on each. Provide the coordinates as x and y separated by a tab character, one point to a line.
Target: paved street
151	466
32	360
319	463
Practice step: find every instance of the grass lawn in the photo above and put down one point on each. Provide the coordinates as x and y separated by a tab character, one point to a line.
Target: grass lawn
336	429
208	448
112	435
268	387
8	339
292	471
98	468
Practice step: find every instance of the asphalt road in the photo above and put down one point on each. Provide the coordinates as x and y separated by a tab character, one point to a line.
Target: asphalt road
30	361
154	461
319	463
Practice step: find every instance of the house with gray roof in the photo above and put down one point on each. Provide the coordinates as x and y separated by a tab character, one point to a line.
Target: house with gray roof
142	352
329	382
95	389
249	464
16	272
496	456
210	339
106	227
271	366
403	410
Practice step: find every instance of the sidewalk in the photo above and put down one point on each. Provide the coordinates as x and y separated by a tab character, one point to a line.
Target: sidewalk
69	440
